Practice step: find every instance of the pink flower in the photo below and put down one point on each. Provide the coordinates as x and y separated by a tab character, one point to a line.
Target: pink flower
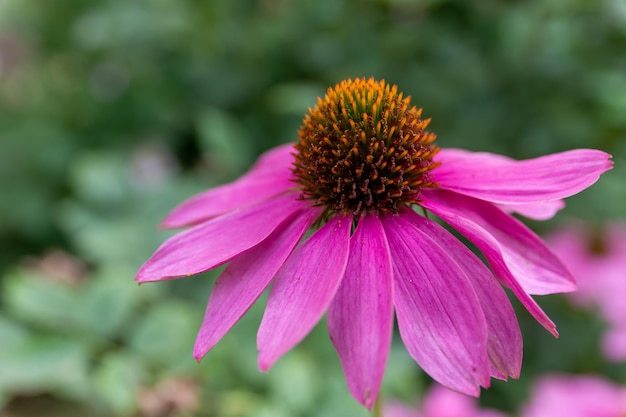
597	260
575	396
441	402
362	162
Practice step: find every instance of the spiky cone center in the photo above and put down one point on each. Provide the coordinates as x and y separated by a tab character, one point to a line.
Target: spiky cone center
363	148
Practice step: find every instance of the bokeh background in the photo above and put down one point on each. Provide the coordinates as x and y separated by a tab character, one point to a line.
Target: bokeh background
114	111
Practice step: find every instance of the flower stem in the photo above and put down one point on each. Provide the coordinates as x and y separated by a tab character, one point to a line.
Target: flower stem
376	411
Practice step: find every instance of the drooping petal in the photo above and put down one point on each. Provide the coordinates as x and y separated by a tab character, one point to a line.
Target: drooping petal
537	211
217	241
245	279
490	247
439	315
532	263
303	289
360	317
271	175
504	342
501	180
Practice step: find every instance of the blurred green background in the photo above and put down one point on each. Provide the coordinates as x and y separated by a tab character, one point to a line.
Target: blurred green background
114	111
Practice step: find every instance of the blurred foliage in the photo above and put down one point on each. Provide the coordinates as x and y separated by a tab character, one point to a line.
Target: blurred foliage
113	111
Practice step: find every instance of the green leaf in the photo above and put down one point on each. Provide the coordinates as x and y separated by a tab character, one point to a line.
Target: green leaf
40	300
108	301
165	335
11	333
101	178
45	363
293	98
223	138
117	381
296	381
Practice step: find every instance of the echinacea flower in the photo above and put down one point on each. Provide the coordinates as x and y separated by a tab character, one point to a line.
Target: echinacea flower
575	396
363	162
596	257
441	402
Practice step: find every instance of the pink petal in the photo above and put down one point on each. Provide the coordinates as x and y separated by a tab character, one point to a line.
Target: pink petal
442	402
537	211
303	289
212	243
614	344
532	263
571	245
504	181
439	315
360	317
397	409
504	342
271	175
458	217
245	278
574	396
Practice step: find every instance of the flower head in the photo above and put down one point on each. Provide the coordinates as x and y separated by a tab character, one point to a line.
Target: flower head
575	396
442	402
363	162
364	149
596	258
